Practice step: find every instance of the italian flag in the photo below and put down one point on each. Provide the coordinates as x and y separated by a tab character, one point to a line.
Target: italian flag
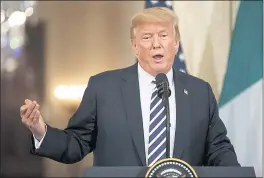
240	102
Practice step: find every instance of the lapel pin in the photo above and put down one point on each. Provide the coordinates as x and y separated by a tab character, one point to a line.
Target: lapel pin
185	91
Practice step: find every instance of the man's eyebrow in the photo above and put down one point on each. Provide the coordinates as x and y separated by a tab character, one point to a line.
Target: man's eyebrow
163	31
146	33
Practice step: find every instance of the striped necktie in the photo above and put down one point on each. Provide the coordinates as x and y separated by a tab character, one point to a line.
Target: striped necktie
157	129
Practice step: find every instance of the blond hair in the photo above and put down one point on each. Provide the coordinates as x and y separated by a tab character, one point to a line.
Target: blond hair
155	14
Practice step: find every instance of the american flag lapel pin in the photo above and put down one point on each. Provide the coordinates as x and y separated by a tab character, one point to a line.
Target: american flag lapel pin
185	92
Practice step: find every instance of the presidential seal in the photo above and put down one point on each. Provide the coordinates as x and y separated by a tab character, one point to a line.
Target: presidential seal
171	167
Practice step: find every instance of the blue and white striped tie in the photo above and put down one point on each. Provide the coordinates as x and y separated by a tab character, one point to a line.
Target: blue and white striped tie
157	130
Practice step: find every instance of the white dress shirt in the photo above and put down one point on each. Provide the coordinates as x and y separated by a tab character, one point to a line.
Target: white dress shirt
38	143
146	88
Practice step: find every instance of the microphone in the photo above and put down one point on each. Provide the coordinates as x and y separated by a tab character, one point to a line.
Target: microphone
164	92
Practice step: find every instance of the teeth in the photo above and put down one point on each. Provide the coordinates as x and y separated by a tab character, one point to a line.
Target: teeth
158	56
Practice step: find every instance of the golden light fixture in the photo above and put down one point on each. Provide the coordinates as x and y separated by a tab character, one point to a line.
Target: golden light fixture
69	96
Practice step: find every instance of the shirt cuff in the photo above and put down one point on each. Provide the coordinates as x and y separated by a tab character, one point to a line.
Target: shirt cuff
38	143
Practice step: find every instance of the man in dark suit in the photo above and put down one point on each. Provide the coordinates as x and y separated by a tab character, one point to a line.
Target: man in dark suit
122	120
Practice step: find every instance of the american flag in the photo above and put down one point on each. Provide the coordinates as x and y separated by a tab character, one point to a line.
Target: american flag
179	62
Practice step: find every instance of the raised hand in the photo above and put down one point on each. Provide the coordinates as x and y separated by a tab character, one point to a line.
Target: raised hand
31	118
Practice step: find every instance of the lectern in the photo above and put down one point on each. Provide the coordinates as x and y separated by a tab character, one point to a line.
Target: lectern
141	171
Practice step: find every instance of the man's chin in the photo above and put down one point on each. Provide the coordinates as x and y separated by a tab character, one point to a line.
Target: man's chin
161	69
160	66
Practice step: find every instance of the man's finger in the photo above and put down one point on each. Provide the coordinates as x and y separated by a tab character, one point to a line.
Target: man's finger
36	117
30	109
37	106
24	120
31	118
32	115
23	110
28	102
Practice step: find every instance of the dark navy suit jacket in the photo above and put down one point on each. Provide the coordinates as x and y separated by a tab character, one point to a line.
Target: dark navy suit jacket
108	123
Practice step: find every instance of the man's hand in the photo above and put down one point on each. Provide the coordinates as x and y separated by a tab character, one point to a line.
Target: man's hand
31	118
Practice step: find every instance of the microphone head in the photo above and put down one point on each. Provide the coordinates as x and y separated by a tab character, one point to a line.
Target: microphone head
162	84
161	77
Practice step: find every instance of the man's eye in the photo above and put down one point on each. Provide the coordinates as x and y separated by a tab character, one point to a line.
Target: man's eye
146	37
164	35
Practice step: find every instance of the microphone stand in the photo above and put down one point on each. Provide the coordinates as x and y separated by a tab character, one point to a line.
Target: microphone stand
165	92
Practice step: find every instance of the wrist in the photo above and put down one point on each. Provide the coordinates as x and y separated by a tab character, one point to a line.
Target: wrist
39	135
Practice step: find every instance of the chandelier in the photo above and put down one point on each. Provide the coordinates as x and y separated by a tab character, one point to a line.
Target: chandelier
14	15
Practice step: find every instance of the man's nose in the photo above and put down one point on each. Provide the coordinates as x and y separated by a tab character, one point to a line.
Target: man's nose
156	42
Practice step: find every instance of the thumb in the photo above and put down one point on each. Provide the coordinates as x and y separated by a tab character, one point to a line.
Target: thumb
28	102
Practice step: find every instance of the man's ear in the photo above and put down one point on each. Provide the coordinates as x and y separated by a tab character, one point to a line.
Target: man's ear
134	46
176	46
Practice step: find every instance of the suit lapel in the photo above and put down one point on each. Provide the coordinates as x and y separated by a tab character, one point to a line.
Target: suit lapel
131	99
182	115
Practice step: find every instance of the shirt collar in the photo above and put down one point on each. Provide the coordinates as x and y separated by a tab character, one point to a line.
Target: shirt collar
145	76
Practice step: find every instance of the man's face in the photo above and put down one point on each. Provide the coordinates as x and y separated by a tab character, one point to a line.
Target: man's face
155	46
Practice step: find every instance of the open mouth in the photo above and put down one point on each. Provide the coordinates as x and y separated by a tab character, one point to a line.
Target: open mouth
158	57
